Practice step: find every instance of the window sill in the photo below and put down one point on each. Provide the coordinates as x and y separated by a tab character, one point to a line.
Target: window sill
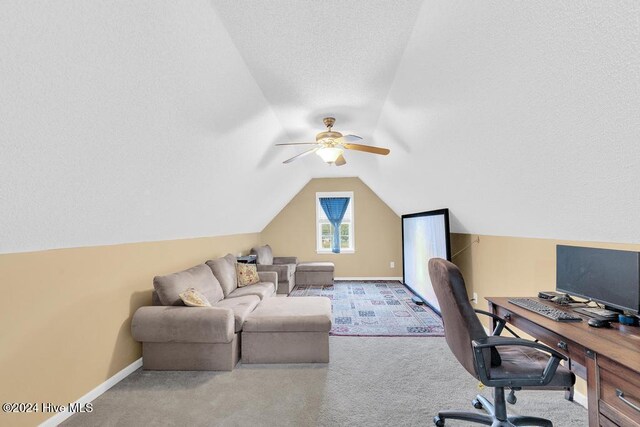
342	251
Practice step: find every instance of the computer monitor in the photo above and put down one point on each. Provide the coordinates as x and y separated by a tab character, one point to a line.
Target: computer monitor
610	277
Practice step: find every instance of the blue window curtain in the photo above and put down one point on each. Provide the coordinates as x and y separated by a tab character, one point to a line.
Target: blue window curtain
335	208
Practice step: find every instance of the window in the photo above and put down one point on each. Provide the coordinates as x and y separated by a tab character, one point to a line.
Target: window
324	229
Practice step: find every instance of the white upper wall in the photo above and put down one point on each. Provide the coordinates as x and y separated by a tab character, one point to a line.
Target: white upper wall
522	117
140	121
130	121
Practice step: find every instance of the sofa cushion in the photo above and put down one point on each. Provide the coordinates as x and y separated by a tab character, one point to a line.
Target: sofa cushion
264	253
193	298
298	314
231	259
199	277
225	271
241	307
247	274
262	289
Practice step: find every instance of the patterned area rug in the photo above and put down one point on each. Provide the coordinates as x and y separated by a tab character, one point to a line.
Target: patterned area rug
375	309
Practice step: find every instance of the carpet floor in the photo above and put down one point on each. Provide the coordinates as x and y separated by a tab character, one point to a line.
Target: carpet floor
374	309
369	382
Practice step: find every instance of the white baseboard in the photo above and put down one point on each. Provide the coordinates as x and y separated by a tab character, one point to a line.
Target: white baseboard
93	394
580	399
368	278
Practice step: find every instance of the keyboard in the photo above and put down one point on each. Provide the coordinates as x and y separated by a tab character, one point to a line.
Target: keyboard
544	310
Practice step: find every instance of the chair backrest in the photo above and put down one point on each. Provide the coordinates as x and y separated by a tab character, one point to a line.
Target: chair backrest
461	324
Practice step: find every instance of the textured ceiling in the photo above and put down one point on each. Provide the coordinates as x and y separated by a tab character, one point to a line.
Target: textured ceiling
522	117
156	120
326	57
125	122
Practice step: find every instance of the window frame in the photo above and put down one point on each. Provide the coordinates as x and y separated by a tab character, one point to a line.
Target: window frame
320	213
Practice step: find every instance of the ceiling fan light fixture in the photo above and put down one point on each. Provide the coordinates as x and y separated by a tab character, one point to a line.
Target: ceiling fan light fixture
329	154
330	145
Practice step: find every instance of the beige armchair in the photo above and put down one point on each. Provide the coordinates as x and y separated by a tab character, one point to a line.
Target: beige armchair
284	266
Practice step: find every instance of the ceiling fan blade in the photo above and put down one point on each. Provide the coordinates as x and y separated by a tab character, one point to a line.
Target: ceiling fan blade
348	138
367	149
304	153
297	143
340	160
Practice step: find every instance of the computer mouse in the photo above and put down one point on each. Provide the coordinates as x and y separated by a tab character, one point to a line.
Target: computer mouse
598	323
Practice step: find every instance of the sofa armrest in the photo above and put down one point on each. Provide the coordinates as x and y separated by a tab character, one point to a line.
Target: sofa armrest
268	276
282	270
183	324
285	260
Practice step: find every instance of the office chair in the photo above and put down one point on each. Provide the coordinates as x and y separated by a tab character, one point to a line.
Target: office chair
496	361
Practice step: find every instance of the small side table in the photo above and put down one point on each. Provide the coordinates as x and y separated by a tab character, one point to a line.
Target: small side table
247	259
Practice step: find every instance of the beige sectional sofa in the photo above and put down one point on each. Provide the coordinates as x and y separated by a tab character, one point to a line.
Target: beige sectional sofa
285	266
177	337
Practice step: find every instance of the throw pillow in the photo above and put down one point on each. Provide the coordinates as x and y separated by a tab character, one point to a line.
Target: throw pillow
247	274
193	298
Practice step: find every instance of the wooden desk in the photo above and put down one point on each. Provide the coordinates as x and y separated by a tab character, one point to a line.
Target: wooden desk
608	358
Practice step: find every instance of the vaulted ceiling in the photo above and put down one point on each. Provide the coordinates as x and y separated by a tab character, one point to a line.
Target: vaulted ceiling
140	121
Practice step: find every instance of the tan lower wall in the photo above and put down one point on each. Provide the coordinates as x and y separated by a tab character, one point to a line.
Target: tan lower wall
66	317
378	231
513	266
66	314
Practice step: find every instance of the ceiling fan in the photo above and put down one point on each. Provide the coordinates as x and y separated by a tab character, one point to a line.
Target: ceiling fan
330	145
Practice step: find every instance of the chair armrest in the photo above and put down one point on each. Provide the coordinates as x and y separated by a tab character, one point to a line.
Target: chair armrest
500	341
285	260
282	270
496	341
183	324
268	276
502	323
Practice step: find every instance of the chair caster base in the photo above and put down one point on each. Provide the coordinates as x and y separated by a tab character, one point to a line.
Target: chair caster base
495	416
